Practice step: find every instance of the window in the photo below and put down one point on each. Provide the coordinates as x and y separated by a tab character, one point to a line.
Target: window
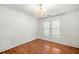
51	28
46	28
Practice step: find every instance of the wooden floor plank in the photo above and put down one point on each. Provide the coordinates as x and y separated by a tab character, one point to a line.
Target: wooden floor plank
40	46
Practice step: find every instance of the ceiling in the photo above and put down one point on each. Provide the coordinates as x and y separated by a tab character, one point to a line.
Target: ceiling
49	9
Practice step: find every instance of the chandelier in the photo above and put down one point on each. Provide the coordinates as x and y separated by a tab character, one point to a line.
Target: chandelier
40	11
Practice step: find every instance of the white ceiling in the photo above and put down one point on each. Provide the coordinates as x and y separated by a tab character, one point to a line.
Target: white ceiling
49	9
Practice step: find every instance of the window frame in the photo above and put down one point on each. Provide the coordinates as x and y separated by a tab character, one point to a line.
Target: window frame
51	28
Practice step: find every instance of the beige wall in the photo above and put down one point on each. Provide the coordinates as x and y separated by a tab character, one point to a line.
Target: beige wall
15	28
69	29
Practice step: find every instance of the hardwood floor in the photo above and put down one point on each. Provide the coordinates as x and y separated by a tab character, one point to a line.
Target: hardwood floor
39	46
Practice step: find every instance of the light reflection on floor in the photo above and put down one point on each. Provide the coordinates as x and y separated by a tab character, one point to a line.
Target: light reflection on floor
49	49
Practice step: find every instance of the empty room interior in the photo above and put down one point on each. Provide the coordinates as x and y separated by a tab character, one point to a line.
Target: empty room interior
39	29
